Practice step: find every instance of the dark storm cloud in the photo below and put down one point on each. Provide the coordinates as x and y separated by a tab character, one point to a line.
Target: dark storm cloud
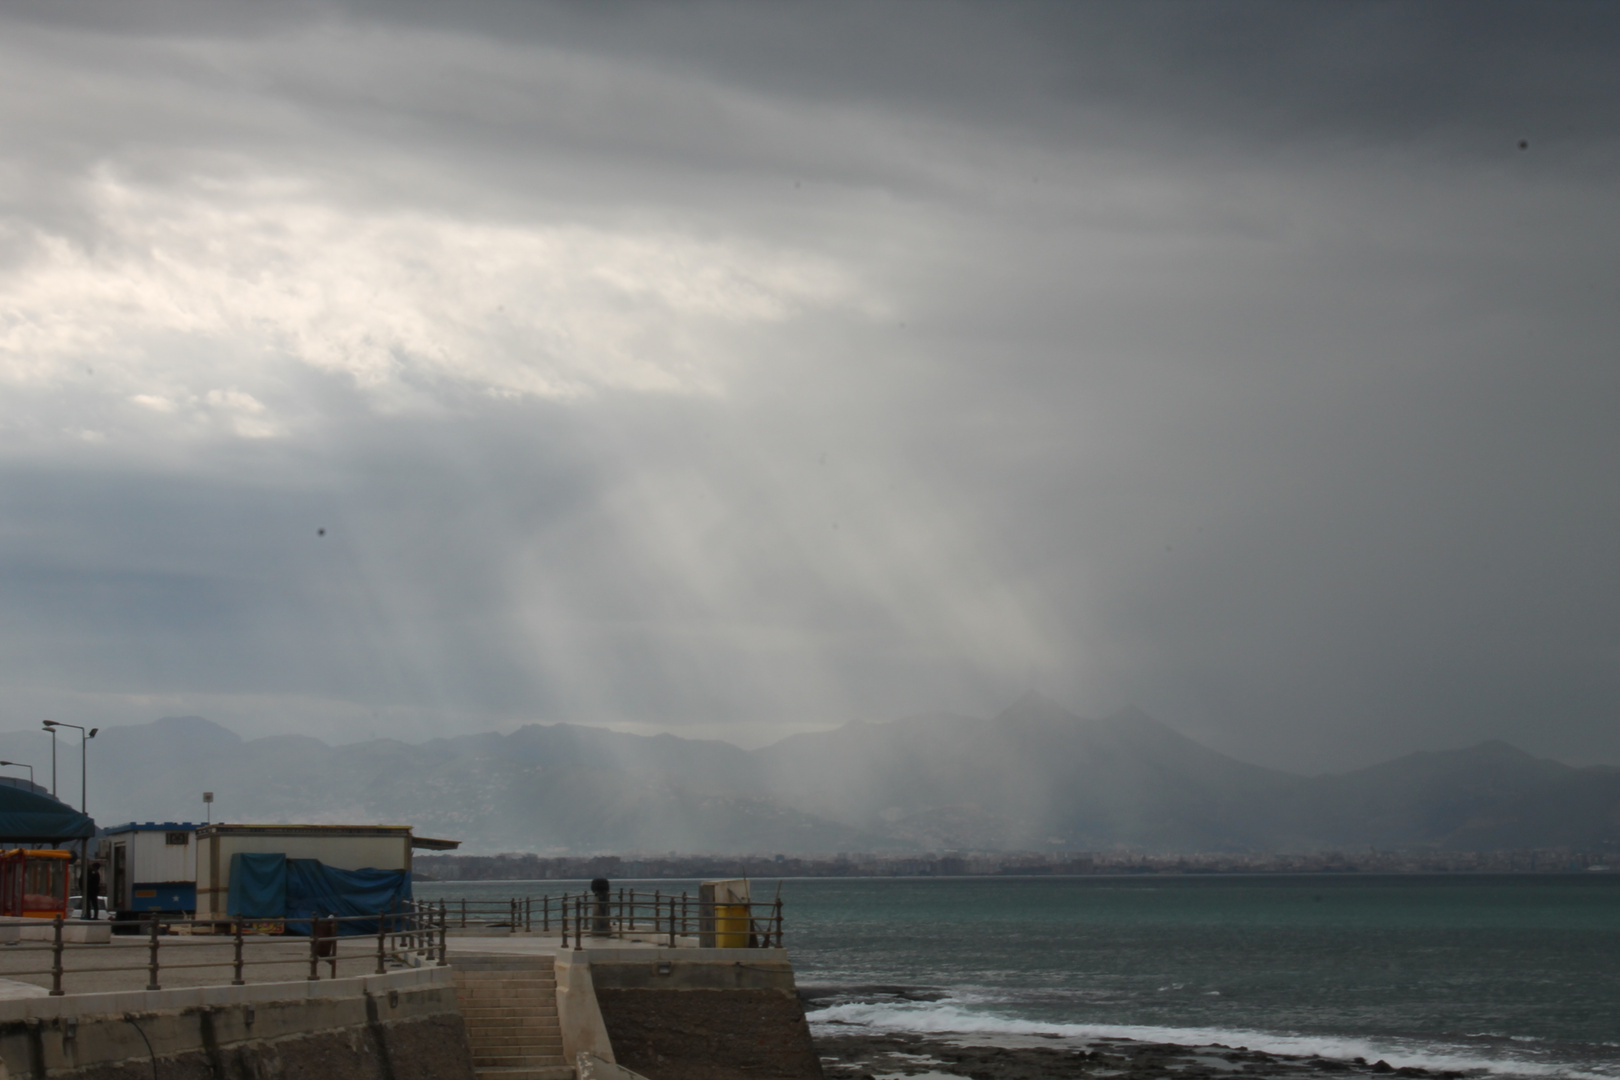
728	368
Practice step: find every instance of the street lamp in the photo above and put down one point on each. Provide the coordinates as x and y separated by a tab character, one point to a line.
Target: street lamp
84	804
50	726
22	765
84	739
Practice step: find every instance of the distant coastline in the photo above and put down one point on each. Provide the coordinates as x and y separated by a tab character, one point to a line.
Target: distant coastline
535	867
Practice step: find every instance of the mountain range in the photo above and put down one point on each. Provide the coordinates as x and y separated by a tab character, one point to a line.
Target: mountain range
1033	778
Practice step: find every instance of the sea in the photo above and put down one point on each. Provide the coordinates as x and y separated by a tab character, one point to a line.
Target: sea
1510	976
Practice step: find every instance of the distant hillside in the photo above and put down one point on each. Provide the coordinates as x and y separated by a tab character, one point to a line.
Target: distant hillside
1035	777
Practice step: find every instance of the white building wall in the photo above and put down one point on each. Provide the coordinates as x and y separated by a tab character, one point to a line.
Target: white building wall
153	858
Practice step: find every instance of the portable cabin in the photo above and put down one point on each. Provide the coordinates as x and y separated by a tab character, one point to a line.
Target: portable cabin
151	867
337	847
34	883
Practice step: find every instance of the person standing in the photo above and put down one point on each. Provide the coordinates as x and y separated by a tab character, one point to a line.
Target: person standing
92	892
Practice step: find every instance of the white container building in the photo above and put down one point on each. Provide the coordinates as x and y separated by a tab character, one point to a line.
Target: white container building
150	866
345	847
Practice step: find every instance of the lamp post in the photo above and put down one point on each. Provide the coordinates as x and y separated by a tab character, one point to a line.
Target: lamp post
50	726
84	739
84	805
23	765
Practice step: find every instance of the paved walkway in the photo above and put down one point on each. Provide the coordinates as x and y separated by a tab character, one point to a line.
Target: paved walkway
548	944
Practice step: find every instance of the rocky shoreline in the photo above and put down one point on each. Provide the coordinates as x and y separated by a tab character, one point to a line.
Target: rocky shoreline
870	1056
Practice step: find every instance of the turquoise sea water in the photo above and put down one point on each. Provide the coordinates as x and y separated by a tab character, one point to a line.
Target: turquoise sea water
1505	975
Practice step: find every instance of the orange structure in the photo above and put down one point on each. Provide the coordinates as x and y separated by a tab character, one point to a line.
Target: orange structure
34	883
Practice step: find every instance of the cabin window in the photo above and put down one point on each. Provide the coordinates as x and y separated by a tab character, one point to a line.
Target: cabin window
177	839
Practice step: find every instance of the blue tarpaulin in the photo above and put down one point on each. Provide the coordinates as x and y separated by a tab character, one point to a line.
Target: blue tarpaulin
272	886
31	817
258	885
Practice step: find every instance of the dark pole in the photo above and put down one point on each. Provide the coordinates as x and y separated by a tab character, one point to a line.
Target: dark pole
50	726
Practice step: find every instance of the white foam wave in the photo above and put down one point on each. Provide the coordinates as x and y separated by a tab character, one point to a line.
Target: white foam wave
949	1018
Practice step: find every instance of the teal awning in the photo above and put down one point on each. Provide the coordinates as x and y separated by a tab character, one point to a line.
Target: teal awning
28	817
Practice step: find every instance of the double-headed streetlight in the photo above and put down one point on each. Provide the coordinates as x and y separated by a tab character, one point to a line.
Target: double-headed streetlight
22	765
84	804
84	738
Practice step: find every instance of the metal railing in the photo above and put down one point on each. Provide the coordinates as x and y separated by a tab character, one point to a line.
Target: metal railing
413	936
653	917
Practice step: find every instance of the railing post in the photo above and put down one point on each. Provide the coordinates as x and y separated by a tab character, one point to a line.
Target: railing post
562	917
314	949
152	962
464	913
56	960
382	942
579	921
444	935
512	919
778	923
528	914
545	913
672	922
236	977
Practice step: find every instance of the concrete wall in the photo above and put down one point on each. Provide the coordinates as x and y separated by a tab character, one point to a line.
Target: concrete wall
578	1016
703	1014
401	1026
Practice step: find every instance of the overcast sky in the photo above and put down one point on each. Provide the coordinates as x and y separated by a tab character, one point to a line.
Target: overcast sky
741	369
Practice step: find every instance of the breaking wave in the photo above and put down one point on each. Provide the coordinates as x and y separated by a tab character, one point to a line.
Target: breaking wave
953	1017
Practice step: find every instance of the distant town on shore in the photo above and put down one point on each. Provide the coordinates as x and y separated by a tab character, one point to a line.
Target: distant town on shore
526	867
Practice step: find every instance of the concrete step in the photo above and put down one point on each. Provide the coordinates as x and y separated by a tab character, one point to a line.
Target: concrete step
516	1055
517	1061
507	1031
504	1000
508	1012
505	1044
482	1039
509	1006
479	1032
482	981
557	1071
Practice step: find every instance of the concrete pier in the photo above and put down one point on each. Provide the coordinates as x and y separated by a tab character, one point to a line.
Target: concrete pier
669	1014
506	1006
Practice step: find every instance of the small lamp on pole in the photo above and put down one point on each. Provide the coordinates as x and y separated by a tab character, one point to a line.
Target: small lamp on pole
208	802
